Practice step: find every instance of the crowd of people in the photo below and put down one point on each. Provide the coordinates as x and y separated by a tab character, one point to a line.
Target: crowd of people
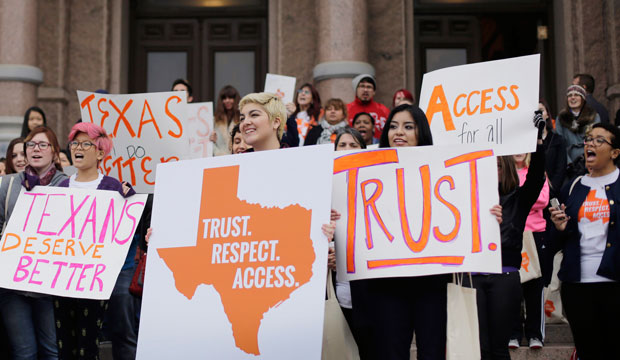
576	161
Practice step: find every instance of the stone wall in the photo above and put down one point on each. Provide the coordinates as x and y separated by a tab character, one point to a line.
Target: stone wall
590	32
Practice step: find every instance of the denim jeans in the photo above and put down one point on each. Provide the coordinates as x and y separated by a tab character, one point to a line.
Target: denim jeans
29	322
121	319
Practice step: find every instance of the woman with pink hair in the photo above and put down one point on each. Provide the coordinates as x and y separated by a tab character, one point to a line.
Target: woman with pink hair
78	321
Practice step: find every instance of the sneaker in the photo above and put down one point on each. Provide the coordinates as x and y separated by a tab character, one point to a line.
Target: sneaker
513	344
535	343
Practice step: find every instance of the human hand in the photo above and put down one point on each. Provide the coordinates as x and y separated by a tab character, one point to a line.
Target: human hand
559	217
496	210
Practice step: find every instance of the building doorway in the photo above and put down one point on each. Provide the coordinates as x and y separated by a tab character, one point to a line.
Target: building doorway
450	32
210	45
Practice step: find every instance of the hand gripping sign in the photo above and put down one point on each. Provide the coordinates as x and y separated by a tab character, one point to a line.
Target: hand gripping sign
416	211
68	242
283	86
489	103
147	129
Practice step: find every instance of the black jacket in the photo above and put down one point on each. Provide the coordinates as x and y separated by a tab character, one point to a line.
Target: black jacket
555	162
516	207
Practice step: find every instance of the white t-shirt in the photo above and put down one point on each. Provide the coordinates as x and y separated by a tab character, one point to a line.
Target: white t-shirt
85	184
593	223
303	124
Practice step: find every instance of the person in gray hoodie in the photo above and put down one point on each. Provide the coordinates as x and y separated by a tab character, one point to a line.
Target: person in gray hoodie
29	317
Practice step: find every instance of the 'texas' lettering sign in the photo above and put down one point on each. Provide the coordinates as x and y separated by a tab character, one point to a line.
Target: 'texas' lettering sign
147	129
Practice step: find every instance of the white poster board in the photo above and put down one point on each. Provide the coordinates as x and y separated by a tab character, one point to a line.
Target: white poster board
68	242
199	129
147	129
282	86
237	262
416	211
489	104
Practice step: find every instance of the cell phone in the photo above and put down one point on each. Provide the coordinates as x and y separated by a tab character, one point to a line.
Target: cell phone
555	203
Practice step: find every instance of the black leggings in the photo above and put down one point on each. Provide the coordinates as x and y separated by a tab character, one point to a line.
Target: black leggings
386	312
593	312
498	297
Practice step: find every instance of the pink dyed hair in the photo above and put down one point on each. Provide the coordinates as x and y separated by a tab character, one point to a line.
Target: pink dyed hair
95	132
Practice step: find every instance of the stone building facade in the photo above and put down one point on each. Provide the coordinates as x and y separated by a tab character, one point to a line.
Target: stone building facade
51	48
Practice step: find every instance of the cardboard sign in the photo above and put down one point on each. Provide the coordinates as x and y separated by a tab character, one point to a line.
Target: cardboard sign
282	86
147	129
199	129
416	211
68	242
237	262
489	104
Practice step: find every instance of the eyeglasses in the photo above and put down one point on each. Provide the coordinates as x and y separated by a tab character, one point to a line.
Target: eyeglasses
43	145
304	91
598	141
85	145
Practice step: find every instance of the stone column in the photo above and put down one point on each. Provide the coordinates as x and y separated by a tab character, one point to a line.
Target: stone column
342	40
19	74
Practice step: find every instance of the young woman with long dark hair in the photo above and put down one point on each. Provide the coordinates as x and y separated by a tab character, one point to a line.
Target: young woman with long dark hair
33	117
226	116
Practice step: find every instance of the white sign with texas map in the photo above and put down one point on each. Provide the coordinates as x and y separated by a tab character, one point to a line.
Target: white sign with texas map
237	261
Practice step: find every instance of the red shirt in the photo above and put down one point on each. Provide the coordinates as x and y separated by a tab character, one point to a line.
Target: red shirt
378	111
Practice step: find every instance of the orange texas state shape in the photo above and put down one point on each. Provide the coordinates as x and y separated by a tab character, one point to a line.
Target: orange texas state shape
254	256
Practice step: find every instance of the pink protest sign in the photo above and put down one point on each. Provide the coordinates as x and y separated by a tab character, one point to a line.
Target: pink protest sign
68	242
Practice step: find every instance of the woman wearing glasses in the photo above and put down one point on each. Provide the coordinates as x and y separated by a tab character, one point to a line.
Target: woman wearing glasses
586	228
29	317
303	115
78	321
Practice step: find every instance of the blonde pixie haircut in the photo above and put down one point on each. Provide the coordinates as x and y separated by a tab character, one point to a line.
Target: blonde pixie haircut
272	104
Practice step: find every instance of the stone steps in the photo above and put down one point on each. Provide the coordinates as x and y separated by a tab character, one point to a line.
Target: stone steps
558	346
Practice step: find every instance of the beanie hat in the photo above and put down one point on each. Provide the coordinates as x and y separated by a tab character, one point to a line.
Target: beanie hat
367	77
577	90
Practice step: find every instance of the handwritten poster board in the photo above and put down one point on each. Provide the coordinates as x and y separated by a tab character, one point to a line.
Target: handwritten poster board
147	129
282	86
239	268
68	242
489	104
415	211
199	129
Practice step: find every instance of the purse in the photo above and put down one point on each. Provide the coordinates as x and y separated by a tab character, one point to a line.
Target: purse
338	341
137	281
462	333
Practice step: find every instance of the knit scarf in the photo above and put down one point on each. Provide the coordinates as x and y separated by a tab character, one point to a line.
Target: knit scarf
329	130
32	178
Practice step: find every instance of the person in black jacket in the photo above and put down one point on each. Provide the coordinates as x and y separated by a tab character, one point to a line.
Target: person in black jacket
555	152
499	295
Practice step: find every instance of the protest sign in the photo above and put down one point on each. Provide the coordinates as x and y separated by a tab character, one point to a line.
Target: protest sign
282	86
68	242
416	211
490	104
239	268
147	129
199	129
